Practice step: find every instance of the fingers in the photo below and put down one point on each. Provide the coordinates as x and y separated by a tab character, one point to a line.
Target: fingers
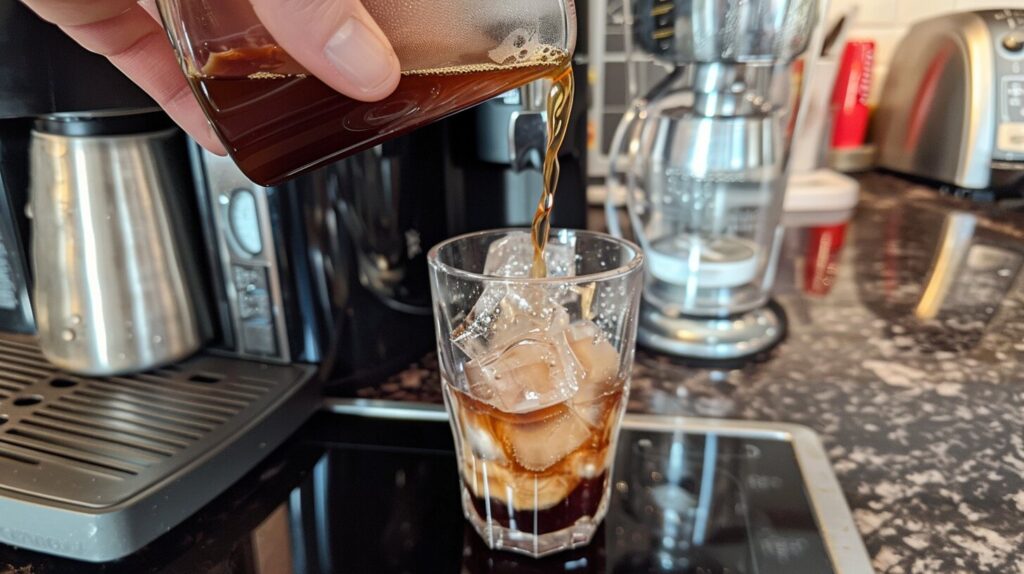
132	40
77	12
337	41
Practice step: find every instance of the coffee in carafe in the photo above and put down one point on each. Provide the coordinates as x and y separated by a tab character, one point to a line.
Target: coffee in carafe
277	120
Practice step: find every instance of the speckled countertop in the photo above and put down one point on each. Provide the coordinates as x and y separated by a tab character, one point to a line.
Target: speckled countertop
913	379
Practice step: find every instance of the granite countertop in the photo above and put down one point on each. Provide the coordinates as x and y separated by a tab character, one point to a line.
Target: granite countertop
912	378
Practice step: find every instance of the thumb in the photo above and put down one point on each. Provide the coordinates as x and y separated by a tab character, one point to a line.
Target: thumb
335	40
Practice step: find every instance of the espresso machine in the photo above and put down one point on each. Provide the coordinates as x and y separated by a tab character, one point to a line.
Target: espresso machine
297	291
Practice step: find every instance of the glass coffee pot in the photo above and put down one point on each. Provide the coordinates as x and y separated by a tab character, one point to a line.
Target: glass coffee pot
702	160
277	120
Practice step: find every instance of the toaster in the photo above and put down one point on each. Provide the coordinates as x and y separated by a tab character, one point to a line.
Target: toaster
952	109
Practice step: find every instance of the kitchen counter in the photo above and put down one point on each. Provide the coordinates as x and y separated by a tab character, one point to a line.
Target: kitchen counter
923	419
911	376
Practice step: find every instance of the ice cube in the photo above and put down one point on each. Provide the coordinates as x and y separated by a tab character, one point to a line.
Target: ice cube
480	442
594	412
512	256
530	374
590	463
541	444
597	364
596	359
506	313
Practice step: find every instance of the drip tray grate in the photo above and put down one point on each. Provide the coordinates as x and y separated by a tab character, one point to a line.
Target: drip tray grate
95	468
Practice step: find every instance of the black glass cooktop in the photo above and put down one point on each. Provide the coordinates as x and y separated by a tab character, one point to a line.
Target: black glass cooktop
353	494
686	503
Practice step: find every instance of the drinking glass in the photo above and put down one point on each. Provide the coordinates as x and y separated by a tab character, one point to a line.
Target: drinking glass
276	120
535	375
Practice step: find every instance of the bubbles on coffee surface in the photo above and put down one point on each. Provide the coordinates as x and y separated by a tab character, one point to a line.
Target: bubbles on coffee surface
522	46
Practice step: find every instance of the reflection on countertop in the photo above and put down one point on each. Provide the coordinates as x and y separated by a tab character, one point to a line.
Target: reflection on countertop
905	352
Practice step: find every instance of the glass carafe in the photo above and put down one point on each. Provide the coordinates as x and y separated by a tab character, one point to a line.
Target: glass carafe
702	161
705	192
276	120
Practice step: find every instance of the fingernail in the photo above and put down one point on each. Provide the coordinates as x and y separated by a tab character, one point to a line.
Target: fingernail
360	56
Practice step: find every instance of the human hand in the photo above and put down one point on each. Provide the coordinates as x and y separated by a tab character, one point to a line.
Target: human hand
335	40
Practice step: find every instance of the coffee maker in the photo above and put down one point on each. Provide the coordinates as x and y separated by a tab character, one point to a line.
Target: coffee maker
702	160
312	287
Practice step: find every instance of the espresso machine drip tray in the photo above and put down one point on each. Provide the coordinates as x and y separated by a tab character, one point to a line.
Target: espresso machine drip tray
95	468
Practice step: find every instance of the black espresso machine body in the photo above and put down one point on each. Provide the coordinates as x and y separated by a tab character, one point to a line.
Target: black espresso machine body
321	269
15	303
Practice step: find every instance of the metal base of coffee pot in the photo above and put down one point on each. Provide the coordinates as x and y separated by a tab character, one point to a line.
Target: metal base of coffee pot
707	338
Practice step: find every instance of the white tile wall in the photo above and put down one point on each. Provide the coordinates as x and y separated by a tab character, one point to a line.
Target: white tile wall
885	22
869	11
982	4
910	10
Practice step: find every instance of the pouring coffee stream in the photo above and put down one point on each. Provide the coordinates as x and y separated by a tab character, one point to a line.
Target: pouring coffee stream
559	106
